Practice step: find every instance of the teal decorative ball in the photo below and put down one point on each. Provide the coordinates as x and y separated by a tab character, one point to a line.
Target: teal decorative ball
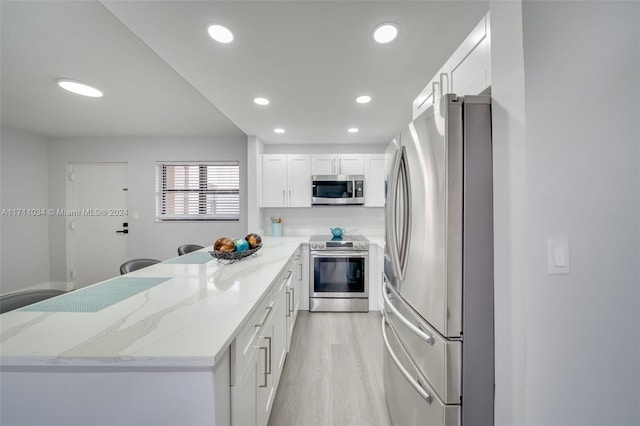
241	244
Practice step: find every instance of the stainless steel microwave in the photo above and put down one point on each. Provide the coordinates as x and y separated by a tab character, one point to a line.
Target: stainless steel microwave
337	190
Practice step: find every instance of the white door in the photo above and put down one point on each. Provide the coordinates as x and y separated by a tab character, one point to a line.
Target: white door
97	221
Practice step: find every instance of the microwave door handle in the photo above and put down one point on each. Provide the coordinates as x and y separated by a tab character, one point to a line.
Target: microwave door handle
353	188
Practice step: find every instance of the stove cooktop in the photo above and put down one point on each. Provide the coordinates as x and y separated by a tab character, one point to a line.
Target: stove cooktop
345	242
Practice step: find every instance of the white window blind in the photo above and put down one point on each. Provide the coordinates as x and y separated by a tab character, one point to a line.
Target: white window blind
192	191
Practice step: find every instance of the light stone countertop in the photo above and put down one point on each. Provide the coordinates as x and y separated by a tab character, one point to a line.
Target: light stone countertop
186	321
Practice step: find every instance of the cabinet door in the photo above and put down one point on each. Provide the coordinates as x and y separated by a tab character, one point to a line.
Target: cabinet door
244	394
274	180
266	385
323	164
351	164
280	331
295	300
299	180
374	176
469	68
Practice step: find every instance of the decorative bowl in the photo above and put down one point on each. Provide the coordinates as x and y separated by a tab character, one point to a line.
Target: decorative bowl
233	256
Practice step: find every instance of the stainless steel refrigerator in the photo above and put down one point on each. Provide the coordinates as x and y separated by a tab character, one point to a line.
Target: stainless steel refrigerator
438	326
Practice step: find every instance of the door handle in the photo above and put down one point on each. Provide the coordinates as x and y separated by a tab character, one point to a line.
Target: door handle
288	304
293	300
270	355
262	348
417	385
124	231
417	330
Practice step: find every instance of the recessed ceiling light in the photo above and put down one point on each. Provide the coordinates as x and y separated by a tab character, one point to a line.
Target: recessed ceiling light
220	34
261	101
278	130
364	99
385	32
79	88
353	130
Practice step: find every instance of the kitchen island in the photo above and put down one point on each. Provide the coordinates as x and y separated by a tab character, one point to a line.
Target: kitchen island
159	355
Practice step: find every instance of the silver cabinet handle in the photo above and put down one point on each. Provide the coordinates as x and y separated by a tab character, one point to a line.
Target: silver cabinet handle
270	354
413	382
265	367
340	165
284	199
416	330
333	166
288	304
264	318
289	197
289	272
293	300
300	274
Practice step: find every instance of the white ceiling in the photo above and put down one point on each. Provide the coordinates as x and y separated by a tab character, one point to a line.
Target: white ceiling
161	74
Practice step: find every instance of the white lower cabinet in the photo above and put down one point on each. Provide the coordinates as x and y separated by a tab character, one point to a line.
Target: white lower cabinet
259	351
293	296
244	395
266	366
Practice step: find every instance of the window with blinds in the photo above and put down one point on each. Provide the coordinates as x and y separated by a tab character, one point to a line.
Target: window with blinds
191	191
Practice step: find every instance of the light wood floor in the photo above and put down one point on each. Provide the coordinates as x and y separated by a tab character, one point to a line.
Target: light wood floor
333	374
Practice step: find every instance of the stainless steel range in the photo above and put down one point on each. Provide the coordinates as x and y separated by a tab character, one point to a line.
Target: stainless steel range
338	280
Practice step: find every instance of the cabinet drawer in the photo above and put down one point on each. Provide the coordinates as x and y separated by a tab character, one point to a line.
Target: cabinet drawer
247	340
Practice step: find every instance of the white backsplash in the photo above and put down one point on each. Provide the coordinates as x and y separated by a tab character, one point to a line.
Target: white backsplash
367	221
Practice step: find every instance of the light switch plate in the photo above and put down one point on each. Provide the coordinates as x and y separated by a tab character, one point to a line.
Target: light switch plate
558	256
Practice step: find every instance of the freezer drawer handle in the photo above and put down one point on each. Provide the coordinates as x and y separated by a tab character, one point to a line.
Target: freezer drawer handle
413	382
416	330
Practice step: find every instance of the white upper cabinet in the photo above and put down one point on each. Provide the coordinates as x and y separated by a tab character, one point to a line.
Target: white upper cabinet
286	180
466	72
337	164
323	164
375	167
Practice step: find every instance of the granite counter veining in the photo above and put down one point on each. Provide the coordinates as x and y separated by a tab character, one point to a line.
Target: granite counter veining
188	320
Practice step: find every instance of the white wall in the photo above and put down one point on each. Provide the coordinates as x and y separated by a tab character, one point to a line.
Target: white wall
571	343
147	238
367	221
25	239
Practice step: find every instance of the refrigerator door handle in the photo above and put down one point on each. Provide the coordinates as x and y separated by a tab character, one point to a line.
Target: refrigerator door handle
403	172
413	382
416	329
392	237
